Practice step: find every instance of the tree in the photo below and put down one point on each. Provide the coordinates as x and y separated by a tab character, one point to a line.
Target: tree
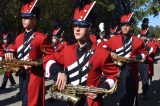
63	9
155	30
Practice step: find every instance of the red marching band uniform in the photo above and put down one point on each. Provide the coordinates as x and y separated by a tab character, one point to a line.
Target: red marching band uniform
93	38
135	46
130	47
152	49
85	69
61	46
36	84
28	46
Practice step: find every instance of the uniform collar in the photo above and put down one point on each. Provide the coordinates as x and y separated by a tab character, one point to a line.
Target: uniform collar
30	33
126	38
87	46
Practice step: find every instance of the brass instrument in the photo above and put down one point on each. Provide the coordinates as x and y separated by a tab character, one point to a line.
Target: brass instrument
120	60
72	93
14	65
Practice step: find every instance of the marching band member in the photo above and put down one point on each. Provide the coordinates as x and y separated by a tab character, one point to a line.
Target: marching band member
58	42
101	34
129	46
144	68
28	47
84	61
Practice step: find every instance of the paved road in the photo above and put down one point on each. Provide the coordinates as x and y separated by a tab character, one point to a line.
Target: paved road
8	97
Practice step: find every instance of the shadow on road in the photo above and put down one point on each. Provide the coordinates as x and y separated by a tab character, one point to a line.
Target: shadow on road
153	98
10	100
7	90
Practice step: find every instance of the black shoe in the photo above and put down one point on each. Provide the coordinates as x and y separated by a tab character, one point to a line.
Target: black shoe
18	94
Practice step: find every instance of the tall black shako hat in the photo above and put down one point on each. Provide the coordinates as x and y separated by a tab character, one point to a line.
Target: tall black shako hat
82	14
57	28
144	27
29	9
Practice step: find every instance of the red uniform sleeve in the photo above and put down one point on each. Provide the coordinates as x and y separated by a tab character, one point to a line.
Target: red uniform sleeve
51	67
153	48
1	51
151	52
142	51
12	48
61	46
110	70
103	44
59	57
46	46
107	44
93	39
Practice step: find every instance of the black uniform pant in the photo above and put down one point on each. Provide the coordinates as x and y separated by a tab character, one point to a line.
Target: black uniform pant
23	86
5	79
143	71
127	88
130	97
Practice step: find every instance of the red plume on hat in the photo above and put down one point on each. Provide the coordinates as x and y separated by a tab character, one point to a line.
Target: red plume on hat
83	9
55	31
57	28
29	9
28	6
113	30
126	18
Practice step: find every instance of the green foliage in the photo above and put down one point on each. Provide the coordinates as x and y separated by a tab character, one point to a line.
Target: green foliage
144	8
155	30
63	9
